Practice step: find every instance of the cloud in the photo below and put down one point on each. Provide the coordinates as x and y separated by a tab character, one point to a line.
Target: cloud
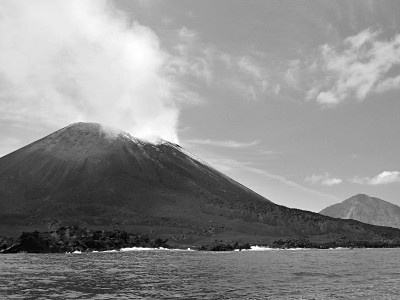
82	60
197	62
247	66
201	62
246	75
362	65
324	179
385	177
226	165
226	144
269	152
193	60
291	76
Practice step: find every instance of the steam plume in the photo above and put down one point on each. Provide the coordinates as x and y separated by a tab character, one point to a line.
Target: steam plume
81	60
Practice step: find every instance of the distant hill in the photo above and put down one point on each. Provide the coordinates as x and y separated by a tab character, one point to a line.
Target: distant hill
366	209
103	179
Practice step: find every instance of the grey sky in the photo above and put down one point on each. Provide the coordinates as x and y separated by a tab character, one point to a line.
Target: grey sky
298	100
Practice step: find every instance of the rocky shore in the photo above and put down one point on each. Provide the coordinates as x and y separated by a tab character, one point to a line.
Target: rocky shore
304	243
70	239
75	238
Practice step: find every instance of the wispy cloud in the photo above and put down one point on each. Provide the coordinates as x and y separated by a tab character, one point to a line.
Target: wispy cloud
204	62
291	76
228	164
385	177
197	61
269	152
192	59
324	179
249	77
248	66
362	65
226	144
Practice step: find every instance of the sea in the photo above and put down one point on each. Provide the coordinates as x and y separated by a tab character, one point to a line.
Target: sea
171	274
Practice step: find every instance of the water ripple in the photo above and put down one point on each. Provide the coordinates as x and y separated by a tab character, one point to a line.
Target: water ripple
312	274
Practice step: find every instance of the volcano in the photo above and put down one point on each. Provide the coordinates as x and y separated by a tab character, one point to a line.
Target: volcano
91	176
366	209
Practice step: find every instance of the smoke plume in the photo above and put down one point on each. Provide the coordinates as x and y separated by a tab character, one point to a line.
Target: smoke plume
82	60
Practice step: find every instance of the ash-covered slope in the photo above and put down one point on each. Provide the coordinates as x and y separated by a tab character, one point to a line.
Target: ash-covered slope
84	175
366	209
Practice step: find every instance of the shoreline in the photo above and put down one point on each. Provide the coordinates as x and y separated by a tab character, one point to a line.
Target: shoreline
77	239
253	248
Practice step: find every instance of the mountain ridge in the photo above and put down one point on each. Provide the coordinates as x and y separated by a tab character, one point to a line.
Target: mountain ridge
367	209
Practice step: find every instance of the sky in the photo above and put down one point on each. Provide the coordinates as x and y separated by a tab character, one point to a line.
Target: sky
297	100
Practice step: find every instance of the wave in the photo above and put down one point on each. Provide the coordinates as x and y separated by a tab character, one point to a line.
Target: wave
252	248
257	248
263	248
131	249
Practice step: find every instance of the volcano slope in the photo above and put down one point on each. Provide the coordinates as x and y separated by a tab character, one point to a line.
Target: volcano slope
101	179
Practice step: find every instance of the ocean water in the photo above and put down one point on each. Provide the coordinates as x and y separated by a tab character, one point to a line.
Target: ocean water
158	274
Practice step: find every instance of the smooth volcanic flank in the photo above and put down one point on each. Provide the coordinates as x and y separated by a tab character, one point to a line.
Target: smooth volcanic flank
102	179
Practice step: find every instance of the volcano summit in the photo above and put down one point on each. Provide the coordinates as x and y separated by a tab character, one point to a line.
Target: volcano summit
86	175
